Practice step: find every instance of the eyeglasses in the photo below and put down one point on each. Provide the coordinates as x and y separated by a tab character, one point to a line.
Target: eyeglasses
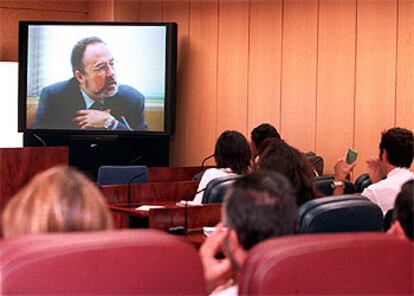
103	67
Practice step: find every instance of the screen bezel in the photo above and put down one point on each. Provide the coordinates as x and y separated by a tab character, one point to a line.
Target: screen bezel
170	78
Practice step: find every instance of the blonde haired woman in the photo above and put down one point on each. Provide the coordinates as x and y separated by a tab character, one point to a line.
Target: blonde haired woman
60	199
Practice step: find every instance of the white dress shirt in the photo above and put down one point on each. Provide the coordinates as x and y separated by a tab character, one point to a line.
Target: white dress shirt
384	192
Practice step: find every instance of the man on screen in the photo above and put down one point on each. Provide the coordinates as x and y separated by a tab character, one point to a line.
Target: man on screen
92	98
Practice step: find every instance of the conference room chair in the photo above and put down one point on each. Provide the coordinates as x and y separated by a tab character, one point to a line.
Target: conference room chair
329	264
342	213
388	219
324	186
217	188
113	175
129	262
362	182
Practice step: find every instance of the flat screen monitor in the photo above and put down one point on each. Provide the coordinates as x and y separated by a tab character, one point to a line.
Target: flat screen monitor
97	78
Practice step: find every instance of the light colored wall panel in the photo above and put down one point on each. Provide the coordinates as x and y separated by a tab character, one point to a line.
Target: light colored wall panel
375	75
336	79
264	63
179	11
299	73
232	66
9	26
101	10
405	67
149	10
202	78
49	5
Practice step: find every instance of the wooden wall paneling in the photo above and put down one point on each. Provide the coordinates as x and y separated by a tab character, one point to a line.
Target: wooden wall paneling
264	63
299	73
405	66
149	10
101	10
233	50
375	76
9	24
127	10
55	5
336	80
202	77
179	12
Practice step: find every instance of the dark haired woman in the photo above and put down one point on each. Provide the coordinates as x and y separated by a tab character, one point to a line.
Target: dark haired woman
282	158
232	154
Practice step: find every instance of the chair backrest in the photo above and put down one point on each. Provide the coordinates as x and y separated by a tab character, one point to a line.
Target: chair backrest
324	186
216	189
329	264
132	262
362	182
339	214
112	175
388	219
316	162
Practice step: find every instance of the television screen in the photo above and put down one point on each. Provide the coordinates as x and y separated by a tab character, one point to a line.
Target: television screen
105	78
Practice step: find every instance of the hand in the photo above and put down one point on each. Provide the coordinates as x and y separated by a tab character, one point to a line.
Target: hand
342	169
92	118
374	169
216	271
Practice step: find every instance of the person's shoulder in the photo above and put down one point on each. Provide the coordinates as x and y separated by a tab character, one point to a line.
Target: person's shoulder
126	90
61	86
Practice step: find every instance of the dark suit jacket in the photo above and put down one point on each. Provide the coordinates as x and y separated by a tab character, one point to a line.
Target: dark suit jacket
59	103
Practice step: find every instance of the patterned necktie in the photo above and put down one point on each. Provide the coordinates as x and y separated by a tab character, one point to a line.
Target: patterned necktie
97	106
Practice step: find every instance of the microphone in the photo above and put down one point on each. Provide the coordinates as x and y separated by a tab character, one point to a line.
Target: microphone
40	139
182	230
129	185
207	158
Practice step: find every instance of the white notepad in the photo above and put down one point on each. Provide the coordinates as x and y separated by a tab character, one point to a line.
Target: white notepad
148	207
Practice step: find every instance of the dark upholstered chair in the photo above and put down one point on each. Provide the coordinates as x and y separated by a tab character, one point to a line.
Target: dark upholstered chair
112	175
362	182
216	189
131	262
324	186
329	264
339	214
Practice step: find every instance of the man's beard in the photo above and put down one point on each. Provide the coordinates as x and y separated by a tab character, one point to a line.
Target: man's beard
109	89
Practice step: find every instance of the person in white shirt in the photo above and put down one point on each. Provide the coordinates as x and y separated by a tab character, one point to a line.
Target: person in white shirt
258	206
388	172
232	154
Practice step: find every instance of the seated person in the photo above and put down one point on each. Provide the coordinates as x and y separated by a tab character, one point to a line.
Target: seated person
259	134
403	224
232	155
259	206
286	160
388	172
59	199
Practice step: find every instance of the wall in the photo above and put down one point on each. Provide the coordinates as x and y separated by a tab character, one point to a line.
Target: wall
329	74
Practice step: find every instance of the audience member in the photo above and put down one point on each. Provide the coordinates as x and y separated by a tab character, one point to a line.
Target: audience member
59	199
259	134
403	224
284	159
232	154
258	207
396	151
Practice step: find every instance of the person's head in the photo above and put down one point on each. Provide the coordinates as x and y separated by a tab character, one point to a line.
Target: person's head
93	66
260	133
286	160
257	207
397	147
233	151
60	199
403	213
